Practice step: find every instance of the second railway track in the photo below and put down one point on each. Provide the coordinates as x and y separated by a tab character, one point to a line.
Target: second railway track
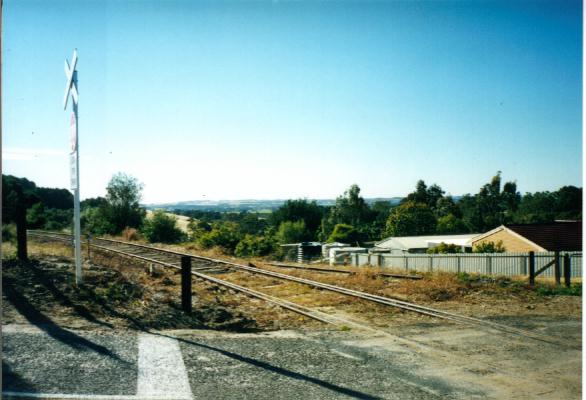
171	259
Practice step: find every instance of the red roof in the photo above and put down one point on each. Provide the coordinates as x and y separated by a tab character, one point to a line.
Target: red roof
553	236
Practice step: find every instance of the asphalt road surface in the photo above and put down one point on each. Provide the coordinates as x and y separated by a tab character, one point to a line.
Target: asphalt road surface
61	364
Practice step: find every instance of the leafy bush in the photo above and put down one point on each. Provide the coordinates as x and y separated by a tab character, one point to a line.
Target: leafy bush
161	228
94	221
225	235
35	216
292	232
198	228
490	247
444	248
9	233
57	219
551	290
255	246
344	233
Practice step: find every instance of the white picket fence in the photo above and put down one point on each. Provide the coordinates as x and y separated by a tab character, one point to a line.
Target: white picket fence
508	264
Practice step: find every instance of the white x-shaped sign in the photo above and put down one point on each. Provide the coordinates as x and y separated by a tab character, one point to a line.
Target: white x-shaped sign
71	80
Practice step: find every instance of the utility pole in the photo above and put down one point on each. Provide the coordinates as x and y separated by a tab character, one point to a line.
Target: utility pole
71	90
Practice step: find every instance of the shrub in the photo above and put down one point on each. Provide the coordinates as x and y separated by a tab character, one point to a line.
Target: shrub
198	228
344	233
162	228
490	247
225	236
130	234
550	290
444	248
35	216
57	219
292	232
93	220
255	246
9	233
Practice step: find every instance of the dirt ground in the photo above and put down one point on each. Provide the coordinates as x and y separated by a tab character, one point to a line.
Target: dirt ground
121	294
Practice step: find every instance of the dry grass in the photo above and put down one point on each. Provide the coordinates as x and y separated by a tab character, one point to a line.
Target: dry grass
473	295
167	284
131	234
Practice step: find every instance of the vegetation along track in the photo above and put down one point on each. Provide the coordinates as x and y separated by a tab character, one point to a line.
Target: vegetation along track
171	259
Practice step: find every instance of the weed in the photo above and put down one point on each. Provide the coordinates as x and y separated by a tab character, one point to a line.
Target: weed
130	234
552	290
345	328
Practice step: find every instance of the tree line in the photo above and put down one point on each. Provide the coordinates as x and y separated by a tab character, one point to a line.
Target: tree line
426	210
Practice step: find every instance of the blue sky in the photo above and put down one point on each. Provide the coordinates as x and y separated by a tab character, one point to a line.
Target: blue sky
229	100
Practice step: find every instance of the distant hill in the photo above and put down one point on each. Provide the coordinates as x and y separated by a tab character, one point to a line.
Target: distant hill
246	204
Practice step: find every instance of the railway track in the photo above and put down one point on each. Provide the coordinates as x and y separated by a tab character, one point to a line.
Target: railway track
171	259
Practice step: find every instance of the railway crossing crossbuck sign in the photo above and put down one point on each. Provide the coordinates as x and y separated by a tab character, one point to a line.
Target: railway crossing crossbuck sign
71	90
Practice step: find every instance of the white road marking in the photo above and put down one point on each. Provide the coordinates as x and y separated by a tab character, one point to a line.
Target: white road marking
161	371
161	375
56	396
350	356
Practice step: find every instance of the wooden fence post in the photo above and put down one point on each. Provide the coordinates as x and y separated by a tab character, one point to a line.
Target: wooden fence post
567	270
557	269
89	254
186	283
532	268
21	245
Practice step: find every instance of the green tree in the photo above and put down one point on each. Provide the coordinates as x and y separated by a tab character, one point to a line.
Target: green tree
380	211
425	195
198	228
35	216
451	224
299	210
122	208
93	220
57	219
162	228
491	207
419	195
569	203
445	206
344	233
250	223
536	207
411	219
292	232
350	209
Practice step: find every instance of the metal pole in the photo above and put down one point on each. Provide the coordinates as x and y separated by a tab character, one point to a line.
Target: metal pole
76	218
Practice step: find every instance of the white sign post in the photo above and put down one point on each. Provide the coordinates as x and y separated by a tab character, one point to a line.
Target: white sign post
71	89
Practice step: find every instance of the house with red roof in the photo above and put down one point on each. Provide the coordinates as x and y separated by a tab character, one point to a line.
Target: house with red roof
551	236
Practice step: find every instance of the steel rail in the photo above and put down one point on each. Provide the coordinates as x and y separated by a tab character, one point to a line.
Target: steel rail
342	271
314	314
354	293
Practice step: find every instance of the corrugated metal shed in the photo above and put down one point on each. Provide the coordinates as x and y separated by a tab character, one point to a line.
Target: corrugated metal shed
410	243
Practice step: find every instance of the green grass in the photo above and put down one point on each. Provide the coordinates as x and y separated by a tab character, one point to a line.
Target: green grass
552	290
